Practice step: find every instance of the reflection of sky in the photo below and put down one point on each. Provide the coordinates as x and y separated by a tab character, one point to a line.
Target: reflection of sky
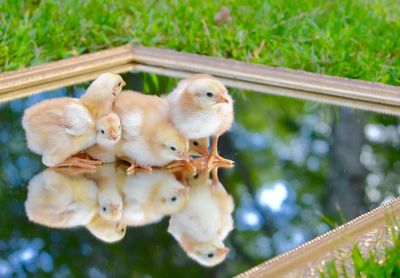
26	254
273	196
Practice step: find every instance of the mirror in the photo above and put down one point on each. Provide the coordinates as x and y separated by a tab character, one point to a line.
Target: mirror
301	169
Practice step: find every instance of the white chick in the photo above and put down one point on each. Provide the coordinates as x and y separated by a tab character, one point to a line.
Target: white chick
101	93
61	201
148	197
105	230
149	138
201	227
201	107
59	128
108	134
109	193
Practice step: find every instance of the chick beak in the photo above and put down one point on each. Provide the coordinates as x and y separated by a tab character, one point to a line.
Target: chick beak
123	83
114	209
113	135
185	156
222	99
184	191
202	151
222	251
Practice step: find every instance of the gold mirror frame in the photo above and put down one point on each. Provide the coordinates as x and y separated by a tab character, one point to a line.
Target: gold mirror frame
297	84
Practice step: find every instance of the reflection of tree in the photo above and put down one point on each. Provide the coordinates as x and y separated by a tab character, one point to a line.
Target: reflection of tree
345	193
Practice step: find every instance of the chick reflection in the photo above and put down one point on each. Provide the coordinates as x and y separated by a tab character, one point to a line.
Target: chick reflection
64	198
61	201
201	227
149	196
109	196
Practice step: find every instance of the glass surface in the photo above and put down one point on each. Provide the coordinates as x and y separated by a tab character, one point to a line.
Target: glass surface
301	168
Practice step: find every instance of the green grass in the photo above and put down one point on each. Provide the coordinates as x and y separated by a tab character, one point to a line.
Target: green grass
357	39
375	264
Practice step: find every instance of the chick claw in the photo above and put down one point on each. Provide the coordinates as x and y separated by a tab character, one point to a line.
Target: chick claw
181	165
215	160
135	167
80	162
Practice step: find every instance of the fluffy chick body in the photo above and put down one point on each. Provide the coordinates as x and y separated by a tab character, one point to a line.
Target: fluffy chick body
148	197
61	201
109	192
205	222
106	230
58	128
198	115
149	138
101	93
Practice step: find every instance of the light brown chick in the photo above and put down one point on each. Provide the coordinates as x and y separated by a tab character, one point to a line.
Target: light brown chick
101	93
202	226
149	137
201	107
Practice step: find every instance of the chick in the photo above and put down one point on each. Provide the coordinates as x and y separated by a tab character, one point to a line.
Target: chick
101	93
149	138
59	128
61	201
205	222
106	230
108	134
150	196
109	193
201	107
199	146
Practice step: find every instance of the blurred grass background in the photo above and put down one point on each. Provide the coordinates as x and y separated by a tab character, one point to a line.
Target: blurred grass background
356	39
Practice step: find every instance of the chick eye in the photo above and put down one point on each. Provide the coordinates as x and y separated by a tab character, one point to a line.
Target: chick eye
104	209
122	230
173	199
119	84
172	148
196	176
209	94
195	143
210	255
102	131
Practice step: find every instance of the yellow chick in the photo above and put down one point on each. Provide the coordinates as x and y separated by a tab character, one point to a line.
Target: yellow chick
59	128
148	137
201	227
199	146
101	93
108	134
105	230
61	201
201	107
149	196
109	195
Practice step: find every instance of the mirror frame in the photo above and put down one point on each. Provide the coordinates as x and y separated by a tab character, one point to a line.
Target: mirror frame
277	81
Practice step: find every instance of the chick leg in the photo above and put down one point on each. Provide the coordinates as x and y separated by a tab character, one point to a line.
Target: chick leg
215	179
79	162
215	158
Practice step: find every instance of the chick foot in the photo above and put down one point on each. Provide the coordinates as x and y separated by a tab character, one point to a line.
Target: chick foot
215	159
80	162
